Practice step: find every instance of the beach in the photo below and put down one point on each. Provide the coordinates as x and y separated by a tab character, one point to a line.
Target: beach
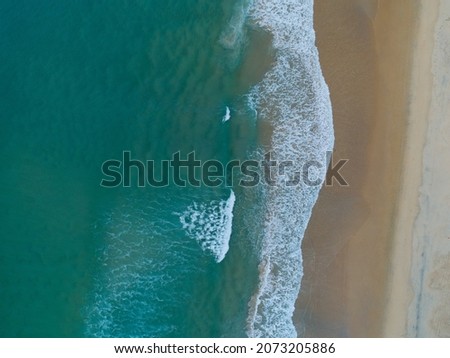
369	272
104	232
424	201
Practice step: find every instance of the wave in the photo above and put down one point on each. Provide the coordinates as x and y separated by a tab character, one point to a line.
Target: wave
294	98
210	225
227	115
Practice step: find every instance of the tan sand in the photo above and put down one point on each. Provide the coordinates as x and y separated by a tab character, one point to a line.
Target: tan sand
422	235
366	49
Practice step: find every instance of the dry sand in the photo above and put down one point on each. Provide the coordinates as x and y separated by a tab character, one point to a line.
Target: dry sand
366	257
423	222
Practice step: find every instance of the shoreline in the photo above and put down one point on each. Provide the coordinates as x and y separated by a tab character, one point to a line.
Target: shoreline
429	313
400	289
366	49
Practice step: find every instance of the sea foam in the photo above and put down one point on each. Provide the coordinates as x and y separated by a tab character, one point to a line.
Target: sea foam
294	98
227	115
210	224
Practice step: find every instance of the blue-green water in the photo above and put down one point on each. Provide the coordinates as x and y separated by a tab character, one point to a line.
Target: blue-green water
83	81
80	82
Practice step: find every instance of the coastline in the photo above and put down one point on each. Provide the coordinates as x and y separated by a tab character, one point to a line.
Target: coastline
292	94
403	275
429	312
352	257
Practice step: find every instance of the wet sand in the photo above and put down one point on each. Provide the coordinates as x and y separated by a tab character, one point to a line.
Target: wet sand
366	49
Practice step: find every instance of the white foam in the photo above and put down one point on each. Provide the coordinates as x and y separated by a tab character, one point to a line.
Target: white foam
227	115
294	97
251	102
211	225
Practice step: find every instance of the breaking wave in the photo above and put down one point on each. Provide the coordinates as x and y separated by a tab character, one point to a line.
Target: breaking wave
294	98
210	225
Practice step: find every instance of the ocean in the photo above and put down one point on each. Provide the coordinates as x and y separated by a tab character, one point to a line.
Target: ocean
83	82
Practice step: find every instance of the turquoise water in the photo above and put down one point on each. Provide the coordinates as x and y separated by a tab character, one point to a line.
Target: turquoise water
80	83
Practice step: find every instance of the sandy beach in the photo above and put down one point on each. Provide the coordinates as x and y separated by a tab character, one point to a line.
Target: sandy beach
423	225
376	251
